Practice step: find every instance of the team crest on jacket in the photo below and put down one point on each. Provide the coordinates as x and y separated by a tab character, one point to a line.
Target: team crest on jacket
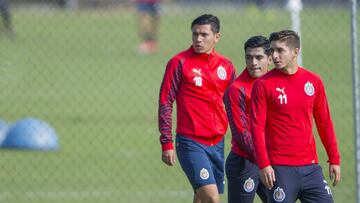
279	194
249	185
221	72
309	89
204	174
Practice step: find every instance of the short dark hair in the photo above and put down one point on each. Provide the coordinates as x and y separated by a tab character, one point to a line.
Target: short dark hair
290	37
258	41
210	19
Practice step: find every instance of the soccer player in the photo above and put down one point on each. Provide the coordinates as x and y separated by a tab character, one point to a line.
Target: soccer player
241	171
148	22
197	79
284	102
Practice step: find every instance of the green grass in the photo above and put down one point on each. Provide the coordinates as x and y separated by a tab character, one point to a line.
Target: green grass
80	72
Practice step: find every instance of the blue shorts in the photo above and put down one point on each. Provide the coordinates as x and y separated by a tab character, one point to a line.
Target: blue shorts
306	183
202	164
151	8
243	180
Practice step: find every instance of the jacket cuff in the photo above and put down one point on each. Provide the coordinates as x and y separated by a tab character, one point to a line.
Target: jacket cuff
334	162
263	164
167	146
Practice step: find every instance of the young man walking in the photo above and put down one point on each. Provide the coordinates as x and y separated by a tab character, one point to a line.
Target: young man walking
284	103
196	79
241	170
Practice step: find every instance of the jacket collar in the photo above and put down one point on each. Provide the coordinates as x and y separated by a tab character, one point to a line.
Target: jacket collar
203	56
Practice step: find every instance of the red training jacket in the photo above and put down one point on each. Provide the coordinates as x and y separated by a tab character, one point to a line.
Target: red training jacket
197	82
237	102
283	107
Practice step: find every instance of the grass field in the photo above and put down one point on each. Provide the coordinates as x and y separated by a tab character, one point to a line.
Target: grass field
80	72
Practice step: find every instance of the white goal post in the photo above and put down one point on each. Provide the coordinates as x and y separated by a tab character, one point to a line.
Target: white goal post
295	7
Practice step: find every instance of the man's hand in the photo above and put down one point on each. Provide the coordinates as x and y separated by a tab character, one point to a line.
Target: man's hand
267	177
168	157
334	173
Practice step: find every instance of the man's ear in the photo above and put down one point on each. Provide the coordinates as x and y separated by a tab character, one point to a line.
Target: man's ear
217	36
270	61
296	52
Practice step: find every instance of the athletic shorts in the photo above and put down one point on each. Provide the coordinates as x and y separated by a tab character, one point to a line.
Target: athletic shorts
243	180
151	8
202	164
306	183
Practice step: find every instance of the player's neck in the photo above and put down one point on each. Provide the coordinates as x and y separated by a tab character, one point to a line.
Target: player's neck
290	69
